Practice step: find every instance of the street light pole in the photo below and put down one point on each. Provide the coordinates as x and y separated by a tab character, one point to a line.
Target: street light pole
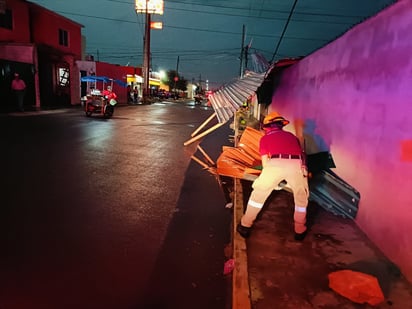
148	7
146	58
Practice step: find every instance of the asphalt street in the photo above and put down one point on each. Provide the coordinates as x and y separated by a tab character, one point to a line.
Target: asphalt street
111	213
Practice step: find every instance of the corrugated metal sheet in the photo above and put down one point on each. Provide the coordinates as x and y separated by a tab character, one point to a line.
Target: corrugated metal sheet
227	100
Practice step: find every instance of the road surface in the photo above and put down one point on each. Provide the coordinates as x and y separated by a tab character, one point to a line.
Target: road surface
111	213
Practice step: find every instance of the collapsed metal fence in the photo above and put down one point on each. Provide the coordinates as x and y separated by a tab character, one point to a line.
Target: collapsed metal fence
227	100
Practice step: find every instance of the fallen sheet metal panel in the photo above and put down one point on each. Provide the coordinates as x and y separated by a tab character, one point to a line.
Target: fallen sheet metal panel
227	100
333	194
231	167
249	141
243	161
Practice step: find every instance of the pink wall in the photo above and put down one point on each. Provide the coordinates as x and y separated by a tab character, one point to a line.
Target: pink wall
355	95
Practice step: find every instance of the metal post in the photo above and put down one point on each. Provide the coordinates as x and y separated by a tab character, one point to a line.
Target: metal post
146	58
242	52
177	74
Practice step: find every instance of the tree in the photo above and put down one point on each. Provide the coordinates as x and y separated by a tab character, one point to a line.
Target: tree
175	81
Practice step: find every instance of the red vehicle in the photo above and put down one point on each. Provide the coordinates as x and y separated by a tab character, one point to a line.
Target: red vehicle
101	102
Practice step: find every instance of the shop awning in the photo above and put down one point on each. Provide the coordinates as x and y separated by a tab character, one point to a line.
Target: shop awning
93	79
104	79
154	82
227	100
134	79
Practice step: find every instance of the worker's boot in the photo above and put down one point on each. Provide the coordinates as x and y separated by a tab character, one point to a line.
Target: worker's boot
300	236
300	224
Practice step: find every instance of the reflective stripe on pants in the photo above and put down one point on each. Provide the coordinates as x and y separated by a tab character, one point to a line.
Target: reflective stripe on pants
273	173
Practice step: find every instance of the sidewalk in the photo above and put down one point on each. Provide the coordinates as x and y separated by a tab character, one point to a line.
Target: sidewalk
273	271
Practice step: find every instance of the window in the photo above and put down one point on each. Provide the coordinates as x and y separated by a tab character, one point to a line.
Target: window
63	37
63	77
6	19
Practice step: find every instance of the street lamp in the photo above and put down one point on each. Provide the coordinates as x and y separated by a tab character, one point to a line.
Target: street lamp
147	7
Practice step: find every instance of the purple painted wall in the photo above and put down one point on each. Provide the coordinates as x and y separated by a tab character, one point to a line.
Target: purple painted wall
354	97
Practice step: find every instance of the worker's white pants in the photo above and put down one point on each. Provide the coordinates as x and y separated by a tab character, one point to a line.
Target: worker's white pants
272	174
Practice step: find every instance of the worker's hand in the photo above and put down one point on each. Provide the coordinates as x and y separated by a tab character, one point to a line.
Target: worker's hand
305	171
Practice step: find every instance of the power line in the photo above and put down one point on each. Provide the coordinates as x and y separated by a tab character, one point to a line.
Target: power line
266	10
247	9
198	29
263	17
284	30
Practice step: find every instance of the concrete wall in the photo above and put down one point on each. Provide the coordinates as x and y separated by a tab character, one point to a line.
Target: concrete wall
354	97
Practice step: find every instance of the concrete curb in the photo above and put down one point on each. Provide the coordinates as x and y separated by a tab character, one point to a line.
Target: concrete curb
240	287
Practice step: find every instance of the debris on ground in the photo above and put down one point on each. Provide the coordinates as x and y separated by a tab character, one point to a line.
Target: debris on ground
358	287
229	266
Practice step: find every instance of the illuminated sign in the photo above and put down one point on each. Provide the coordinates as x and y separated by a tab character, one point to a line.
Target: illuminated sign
152	6
156	25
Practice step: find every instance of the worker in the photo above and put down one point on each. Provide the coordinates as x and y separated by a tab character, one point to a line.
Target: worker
283	163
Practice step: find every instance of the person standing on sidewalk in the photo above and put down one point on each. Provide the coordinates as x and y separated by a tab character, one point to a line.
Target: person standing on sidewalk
18	86
283	160
135	95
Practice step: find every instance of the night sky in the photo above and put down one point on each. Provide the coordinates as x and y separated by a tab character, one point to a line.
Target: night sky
206	36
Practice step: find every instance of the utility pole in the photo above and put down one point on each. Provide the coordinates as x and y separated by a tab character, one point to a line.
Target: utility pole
200	83
148	7
241	52
176	78
246	48
177	65
146	57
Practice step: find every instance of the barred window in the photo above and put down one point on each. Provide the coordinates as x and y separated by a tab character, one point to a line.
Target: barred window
6	19
63	77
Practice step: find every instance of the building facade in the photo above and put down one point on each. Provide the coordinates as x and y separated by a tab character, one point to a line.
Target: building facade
42	47
48	51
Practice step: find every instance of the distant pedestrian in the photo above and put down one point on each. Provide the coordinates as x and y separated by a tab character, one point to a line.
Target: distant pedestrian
129	94
135	95
283	163
18	86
